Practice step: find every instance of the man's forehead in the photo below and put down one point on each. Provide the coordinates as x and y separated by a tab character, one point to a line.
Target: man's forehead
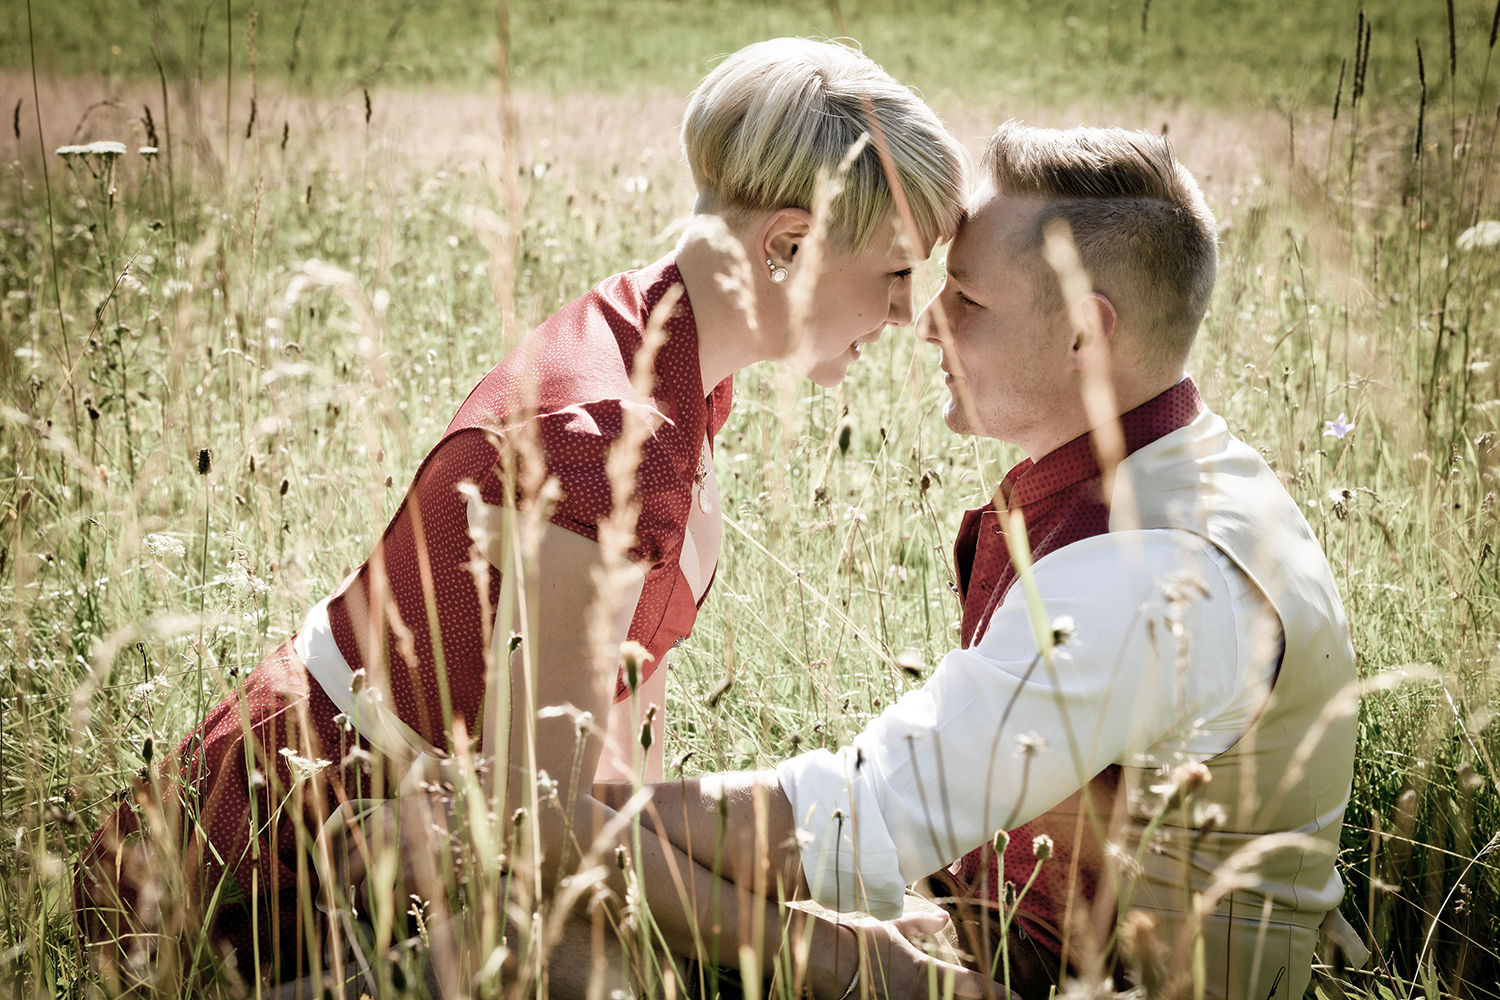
973	241
994	225
1005	210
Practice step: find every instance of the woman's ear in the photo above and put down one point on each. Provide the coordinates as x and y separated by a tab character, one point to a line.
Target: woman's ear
784	231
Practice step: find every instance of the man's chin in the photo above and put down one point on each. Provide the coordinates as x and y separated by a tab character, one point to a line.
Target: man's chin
954	417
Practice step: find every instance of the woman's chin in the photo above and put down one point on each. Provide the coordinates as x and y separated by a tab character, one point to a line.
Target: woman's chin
831	372
828	375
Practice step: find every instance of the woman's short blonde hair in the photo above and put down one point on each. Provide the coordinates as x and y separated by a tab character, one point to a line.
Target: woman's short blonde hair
774	117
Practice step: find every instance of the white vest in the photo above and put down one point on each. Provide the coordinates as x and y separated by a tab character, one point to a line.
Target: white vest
1263	878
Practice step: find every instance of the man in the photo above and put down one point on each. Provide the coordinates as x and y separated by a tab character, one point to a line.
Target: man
1157	711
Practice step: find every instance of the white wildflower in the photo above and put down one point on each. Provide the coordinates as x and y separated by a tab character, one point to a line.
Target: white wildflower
1209	816
303	767
1030	744
106	148
1484	235
1125	862
144	690
164	546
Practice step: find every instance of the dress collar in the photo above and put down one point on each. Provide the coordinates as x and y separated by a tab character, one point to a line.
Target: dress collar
677	368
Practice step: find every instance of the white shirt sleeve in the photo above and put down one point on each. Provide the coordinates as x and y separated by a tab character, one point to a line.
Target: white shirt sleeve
1171	657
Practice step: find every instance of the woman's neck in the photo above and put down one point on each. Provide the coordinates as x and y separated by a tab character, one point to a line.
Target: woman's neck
721	284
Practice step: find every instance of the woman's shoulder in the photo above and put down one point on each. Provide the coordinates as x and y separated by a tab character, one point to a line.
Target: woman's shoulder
583	356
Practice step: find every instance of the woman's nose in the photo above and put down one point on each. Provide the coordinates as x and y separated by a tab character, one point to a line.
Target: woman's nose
901	308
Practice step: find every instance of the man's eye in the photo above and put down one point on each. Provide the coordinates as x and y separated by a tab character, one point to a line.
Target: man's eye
967	301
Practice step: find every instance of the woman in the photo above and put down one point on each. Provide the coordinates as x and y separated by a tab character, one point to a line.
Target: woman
570	506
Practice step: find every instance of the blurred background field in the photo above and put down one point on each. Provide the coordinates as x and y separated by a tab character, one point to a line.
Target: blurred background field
1215	51
354	210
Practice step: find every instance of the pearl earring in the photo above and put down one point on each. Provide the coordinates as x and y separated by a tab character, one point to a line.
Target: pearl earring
778	273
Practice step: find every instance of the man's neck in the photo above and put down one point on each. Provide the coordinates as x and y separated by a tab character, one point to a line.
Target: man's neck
1125	394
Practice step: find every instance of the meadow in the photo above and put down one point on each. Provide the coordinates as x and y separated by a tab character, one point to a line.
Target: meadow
220	363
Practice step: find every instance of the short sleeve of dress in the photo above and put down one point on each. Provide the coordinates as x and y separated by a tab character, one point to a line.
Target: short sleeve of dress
578	446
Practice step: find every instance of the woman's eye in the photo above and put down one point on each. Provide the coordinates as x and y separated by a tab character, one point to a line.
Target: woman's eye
905	272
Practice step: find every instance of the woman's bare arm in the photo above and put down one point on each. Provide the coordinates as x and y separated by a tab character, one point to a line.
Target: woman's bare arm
624	759
723	852
738	824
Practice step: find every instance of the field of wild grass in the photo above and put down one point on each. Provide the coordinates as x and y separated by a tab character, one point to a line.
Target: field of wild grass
220	363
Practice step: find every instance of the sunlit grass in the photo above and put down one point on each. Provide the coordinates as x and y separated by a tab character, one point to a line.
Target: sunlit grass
311	311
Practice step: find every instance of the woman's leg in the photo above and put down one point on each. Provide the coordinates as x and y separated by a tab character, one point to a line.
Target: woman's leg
210	858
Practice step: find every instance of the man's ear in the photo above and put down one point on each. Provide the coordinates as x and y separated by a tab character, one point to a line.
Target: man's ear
1094	321
783	232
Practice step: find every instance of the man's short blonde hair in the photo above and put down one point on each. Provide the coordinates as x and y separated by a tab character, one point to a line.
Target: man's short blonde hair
774	117
1142	228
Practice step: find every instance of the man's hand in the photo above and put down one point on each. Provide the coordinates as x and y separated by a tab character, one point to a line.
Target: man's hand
892	958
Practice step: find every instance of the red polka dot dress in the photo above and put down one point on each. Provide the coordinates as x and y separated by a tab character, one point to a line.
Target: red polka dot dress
1062	500
262	773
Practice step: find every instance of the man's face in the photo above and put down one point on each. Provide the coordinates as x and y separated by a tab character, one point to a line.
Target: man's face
1009	365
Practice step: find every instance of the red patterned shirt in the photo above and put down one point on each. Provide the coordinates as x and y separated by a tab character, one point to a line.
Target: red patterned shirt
557	404
420	609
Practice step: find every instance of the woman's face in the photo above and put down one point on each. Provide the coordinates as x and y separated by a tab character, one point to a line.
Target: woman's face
845	299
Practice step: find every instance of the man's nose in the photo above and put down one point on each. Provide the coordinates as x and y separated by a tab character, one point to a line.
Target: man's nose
932	323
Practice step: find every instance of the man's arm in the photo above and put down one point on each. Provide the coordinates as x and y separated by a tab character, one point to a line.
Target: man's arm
1001	733
996	737
728	881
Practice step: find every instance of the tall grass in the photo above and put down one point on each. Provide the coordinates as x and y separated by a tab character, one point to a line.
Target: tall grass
214	398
